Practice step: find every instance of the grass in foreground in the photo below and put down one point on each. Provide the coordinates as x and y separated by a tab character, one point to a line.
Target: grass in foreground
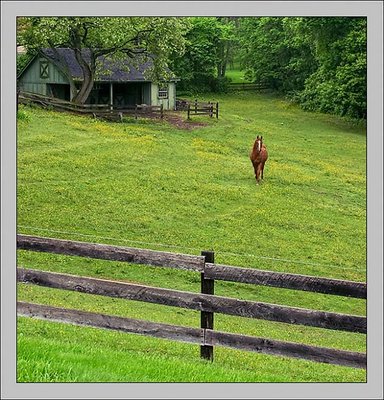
65	353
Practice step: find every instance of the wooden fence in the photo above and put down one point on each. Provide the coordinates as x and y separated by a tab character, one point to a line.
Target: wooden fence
205	302
198	108
104	111
257	86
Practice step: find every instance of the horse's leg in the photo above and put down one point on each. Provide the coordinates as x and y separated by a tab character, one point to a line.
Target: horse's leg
255	168
262	171
258	172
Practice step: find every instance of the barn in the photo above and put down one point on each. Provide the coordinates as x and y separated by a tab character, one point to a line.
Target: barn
120	83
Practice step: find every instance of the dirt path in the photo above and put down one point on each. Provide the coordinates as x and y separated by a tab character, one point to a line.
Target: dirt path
180	121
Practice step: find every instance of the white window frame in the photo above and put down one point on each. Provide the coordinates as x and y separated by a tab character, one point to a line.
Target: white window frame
163	92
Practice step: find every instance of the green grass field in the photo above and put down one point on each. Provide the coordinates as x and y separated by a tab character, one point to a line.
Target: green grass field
236	75
148	184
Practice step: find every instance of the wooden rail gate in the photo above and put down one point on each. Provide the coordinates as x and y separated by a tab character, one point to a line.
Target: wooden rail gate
205	302
199	108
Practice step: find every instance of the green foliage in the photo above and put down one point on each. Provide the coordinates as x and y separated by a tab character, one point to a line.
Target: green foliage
23	116
272	52
339	86
208	47
21	61
320	62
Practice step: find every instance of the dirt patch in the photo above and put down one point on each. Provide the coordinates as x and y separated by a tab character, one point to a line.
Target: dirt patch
180	121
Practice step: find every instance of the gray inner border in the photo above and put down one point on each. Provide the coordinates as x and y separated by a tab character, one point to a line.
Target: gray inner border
374	387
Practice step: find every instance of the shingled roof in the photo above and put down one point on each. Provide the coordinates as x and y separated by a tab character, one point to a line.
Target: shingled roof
127	70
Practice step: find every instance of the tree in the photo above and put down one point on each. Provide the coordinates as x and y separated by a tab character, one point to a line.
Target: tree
209	43
339	85
318	61
111	37
272	51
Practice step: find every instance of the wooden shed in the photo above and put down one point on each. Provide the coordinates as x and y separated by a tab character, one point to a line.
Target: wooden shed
121	83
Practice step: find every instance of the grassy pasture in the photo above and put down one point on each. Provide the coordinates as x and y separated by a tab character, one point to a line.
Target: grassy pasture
148	184
236	75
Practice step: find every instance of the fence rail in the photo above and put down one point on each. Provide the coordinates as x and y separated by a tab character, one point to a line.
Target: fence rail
206	302
105	111
256	86
112	253
194	263
203	337
194	301
198	108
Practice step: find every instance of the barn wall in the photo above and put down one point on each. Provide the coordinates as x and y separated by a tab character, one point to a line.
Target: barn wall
170	102
172	96
31	81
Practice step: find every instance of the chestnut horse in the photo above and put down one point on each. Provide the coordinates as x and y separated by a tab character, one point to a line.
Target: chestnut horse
259	156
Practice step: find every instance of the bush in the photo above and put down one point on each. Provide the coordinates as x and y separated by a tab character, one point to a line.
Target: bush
22	116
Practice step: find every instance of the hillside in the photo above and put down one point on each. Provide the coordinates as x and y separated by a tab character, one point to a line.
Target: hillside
150	184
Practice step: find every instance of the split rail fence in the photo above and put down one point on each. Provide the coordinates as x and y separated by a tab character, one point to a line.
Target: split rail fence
259	86
198	108
205	302
105	111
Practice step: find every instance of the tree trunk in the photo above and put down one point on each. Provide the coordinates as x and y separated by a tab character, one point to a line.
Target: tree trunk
88	77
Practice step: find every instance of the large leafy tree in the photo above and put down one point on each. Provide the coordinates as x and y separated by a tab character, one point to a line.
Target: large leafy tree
339	85
110	37
209	48
319	61
272	51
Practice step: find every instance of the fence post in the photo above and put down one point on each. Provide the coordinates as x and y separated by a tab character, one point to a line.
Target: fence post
189	111
161	110
195	106
210	105
206	317
217	110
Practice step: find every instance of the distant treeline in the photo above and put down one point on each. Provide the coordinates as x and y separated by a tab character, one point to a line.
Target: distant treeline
319	62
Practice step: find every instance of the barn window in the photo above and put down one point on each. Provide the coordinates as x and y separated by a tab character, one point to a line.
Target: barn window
163	92
44	71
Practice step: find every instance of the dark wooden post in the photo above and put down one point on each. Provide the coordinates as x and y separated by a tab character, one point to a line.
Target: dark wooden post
189	111
217	110
206	318
195	106
111	96
161	110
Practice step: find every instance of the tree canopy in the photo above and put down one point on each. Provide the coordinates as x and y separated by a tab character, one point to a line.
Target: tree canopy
209	47
318	61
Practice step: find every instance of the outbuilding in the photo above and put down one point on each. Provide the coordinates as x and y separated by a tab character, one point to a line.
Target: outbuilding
120	83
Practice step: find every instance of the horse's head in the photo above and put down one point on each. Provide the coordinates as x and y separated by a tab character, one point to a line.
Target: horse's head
259	143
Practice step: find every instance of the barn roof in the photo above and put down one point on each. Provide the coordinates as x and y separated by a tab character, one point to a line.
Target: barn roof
127	70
